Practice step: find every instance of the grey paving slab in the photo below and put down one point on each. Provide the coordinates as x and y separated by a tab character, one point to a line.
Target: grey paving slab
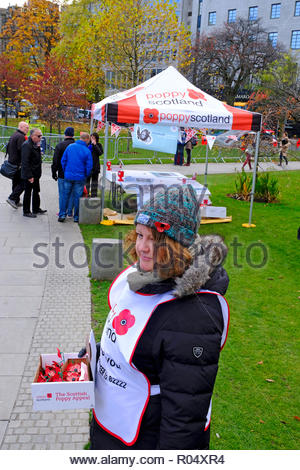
16	334
12	364
12	262
19	306
21	278
9	388
3	426
21	291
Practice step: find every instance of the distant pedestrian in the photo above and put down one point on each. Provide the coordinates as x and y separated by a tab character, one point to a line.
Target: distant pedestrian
284	145
179	156
248	144
77	164
57	171
92	180
14	147
31	172
188	149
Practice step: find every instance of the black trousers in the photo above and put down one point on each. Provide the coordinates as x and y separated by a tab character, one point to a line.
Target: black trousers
17	187
189	154
94	186
34	190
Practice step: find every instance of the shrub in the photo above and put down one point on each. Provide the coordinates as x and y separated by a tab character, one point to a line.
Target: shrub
266	187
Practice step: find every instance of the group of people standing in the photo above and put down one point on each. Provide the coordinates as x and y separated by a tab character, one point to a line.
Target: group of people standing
75	165
181	145
25	154
249	148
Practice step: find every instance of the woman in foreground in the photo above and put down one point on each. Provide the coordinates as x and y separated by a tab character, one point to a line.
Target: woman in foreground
159	352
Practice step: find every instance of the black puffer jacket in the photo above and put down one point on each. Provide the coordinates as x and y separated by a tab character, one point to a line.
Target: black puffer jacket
176	418
31	160
14	147
56	167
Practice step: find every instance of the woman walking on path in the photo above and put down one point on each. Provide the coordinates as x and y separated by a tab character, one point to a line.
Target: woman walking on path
284	145
158	357
249	150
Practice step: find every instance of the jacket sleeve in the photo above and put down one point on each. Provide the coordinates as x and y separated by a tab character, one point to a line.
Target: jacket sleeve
187	376
64	159
26	171
54	166
89	163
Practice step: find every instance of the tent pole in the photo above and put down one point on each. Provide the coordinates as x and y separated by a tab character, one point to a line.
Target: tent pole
254	179
103	180
206	166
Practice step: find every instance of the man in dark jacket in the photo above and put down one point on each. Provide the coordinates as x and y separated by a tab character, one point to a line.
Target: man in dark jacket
31	171
57	171
77	164
14	157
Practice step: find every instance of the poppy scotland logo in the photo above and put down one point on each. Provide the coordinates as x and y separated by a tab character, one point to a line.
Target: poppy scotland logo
123	322
196	95
49	395
151	116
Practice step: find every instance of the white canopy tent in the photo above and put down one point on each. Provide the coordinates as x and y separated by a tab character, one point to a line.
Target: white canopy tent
170	99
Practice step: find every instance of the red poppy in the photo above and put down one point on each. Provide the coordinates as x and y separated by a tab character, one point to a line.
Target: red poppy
196	95
161	226
150	116
123	322
203	140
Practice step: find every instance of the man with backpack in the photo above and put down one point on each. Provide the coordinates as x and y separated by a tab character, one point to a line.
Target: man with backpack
14	157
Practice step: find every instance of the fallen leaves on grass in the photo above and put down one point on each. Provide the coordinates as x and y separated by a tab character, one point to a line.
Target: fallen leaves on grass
297	418
270	380
260	363
261	421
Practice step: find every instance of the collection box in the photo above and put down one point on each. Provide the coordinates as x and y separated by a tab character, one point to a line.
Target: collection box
55	396
213	211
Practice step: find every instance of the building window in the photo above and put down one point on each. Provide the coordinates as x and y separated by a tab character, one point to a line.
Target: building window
295	41
253	13
212	17
231	16
189	13
198	22
275	10
272	37
297	9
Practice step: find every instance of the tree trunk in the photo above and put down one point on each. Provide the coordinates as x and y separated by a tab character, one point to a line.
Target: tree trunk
59	127
6	112
50	127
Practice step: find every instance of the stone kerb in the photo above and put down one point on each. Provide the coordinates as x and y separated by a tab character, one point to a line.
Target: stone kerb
107	258
89	210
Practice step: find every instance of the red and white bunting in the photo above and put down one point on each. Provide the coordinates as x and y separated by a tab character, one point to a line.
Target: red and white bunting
115	130
100	125
131	128
210	140
190	133
232	137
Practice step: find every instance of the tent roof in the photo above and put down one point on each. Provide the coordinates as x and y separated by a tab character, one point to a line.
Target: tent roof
170	99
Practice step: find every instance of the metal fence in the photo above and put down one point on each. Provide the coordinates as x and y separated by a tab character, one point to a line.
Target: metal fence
120	150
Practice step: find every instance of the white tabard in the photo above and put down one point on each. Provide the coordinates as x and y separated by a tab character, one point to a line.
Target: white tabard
121	391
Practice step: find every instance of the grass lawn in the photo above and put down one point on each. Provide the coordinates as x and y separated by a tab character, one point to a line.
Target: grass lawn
256	398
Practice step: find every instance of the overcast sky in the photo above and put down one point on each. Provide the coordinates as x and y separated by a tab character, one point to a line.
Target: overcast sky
6	3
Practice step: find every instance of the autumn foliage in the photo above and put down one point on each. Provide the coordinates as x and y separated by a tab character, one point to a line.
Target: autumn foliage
54	90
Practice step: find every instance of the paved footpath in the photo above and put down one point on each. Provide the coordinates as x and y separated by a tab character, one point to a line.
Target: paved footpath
41	308
45	303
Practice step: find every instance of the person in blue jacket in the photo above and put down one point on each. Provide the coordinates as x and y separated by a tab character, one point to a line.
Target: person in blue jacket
77	164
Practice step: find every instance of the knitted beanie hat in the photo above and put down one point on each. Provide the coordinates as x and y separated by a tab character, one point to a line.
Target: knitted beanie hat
69	131
174	211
